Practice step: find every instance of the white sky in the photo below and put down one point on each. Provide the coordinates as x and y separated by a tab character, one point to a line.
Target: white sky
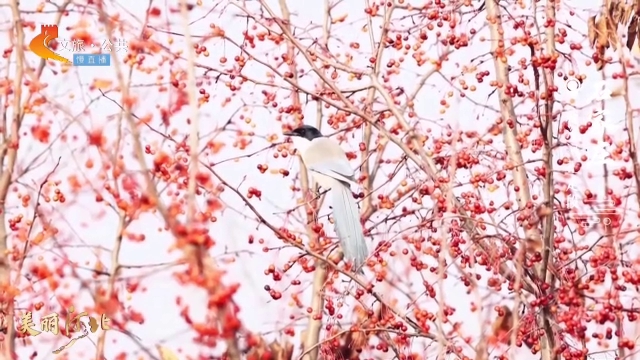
87	229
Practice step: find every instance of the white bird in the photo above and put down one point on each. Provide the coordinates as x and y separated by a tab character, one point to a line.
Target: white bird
329	168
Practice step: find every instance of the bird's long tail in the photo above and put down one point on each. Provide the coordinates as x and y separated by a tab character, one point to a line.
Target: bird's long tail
347	222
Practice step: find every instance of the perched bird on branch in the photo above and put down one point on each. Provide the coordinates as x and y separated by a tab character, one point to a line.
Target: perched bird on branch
328	165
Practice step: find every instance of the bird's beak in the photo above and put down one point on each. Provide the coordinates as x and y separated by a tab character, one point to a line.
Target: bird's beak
289	133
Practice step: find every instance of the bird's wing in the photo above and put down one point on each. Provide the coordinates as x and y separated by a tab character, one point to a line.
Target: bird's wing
332	170
326	157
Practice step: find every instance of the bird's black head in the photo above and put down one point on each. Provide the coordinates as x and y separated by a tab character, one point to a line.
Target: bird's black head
305	131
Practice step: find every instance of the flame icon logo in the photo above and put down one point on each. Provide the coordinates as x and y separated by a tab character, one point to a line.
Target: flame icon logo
40	44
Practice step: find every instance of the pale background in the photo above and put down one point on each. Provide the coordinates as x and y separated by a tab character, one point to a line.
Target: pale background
87	229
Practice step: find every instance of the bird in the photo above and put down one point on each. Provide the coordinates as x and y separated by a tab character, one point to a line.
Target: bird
329	167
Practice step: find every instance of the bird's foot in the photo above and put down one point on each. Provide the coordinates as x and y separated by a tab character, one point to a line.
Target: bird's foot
312	195
321	192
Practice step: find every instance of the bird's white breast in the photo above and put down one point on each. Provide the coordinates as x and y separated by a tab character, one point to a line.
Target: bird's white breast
325	182
301	144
